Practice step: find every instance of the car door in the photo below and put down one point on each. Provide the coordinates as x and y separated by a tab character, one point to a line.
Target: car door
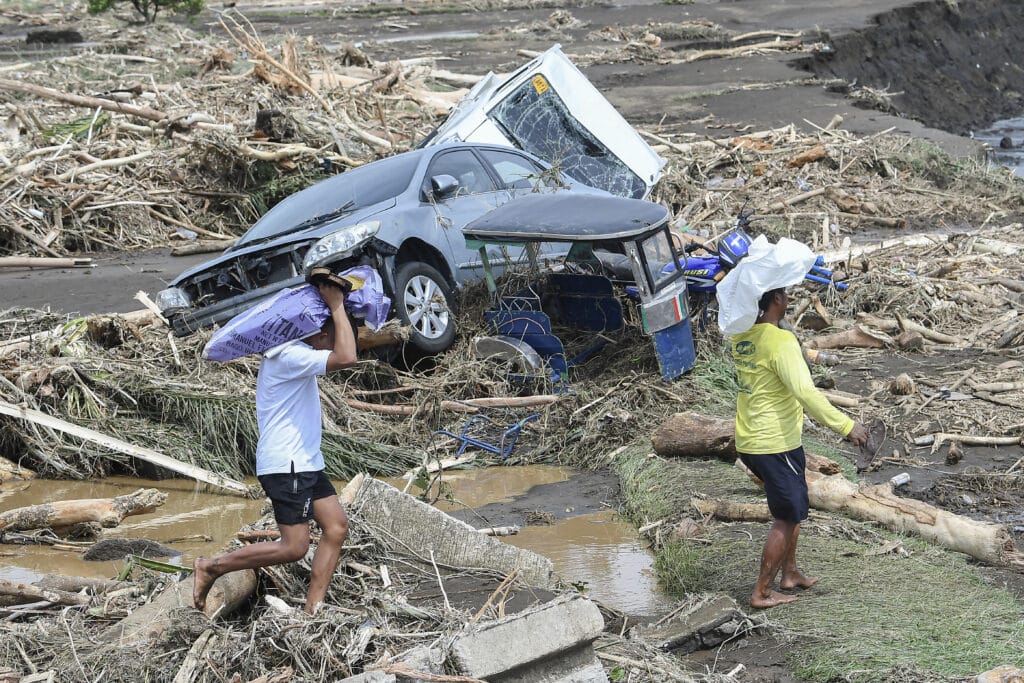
520	175
476	193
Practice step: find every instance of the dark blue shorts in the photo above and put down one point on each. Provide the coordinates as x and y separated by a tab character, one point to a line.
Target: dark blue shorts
784	482
292	494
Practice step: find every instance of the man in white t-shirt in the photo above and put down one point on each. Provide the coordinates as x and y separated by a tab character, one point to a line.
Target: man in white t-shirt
289	463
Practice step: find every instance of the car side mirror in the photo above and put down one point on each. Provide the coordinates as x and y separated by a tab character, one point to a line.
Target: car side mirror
442	186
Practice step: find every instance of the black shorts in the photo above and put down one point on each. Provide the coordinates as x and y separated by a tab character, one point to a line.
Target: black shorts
784	482
292	494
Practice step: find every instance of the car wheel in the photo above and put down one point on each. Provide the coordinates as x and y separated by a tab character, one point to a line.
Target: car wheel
427	305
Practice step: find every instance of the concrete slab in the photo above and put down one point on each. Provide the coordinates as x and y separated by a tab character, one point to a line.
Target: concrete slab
703	625
421	529
555	637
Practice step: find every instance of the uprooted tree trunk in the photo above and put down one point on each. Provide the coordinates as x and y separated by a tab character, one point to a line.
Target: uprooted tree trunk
990	543
691	435
984	541
107	512
149	622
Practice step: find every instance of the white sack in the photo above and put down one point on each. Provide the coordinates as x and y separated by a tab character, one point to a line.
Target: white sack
767	266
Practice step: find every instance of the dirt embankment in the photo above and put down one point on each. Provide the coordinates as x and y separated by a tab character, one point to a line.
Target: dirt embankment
953	66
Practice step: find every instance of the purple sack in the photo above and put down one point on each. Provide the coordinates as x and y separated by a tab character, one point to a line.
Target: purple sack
295	314
290	314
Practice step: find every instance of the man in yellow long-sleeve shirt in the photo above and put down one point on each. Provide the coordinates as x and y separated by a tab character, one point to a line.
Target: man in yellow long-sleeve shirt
775	388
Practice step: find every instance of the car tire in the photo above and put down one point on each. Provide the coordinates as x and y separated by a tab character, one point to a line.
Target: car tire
425	302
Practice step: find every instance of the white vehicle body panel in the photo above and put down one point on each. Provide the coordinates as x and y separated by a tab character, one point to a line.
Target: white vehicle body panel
484	115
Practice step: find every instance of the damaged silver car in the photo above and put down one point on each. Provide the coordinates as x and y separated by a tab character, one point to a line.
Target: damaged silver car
404	215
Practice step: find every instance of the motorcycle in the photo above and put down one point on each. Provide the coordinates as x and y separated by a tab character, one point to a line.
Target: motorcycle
703	273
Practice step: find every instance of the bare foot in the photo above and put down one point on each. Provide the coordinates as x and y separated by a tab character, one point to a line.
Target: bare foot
203	580
762	601
796	579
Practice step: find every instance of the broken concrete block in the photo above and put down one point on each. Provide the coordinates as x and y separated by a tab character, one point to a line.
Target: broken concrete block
549	643
704	624
370	677
422	659
423	529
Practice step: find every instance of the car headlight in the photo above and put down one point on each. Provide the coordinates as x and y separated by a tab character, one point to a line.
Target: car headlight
173	299
339	244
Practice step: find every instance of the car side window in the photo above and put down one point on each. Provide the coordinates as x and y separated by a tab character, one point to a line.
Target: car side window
465	168
514	170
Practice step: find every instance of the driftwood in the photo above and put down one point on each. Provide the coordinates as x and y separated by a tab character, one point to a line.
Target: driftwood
936	440
61	584
43	262
202	247
470	405
116	444
25	592
107	512
855	337
989	543
9	471
731	510
692	435
902	324
149	622
82	101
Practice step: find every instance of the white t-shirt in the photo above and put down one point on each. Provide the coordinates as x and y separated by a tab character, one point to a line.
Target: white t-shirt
288	409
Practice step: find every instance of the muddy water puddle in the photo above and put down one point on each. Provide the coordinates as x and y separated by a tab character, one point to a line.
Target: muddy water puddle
589	545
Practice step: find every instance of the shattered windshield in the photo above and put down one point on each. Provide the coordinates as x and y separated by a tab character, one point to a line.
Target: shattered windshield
537	120
363	186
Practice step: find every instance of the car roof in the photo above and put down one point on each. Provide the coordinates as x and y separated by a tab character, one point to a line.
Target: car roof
568	217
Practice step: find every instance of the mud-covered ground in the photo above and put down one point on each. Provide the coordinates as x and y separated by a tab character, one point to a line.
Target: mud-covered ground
713	97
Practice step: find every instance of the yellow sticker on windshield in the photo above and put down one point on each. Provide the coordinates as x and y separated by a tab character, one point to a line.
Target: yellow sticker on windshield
539	84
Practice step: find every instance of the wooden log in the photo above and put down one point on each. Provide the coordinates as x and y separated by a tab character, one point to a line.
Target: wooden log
990	543
387	335
731	510
107	512
997	387
691	435
10	471
149	622
82	101
44	262
855	337
202	247
146	454
25	592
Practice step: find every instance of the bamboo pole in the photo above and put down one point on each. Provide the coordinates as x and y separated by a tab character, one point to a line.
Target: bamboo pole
113	443
81	100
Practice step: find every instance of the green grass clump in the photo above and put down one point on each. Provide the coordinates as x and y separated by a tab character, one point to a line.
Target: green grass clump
926	611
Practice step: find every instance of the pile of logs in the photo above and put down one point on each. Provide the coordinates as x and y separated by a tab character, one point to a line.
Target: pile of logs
694	435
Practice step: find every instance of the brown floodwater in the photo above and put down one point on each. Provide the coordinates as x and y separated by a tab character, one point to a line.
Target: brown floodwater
597	551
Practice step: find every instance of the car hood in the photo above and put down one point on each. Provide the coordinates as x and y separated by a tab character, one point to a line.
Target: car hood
314	233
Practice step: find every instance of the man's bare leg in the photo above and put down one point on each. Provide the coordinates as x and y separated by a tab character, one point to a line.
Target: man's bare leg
330	515
792	577
292	546
772	557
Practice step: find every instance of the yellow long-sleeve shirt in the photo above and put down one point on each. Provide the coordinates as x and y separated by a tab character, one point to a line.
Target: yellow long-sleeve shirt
775	388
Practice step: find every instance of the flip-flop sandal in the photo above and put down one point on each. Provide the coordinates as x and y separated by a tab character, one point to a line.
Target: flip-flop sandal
877	431
318	276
